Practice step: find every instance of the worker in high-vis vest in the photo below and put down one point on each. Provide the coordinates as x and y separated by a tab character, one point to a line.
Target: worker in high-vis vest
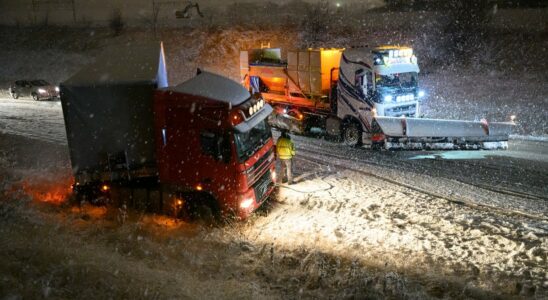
286	152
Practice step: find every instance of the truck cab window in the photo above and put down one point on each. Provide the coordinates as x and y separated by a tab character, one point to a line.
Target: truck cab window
216	145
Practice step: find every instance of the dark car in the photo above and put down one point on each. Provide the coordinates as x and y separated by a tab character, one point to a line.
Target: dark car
37	89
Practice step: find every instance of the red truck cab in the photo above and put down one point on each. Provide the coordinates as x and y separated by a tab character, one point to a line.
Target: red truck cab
212	138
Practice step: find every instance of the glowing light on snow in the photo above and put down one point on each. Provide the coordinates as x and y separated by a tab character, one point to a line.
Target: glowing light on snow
246	203
55	191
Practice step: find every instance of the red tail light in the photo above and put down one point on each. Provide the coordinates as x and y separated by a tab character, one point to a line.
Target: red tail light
377	137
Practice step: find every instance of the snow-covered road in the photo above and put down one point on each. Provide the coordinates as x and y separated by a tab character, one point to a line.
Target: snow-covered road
480	215
41	120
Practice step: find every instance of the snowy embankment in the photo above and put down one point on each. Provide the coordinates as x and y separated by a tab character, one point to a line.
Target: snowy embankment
362	224
42	120
348	228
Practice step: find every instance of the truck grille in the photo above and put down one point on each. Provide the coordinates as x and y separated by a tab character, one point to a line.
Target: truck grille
262	186
255	171
406	110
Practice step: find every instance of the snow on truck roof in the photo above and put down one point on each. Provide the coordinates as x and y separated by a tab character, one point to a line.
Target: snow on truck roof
358	54
123	64
213	86
365	53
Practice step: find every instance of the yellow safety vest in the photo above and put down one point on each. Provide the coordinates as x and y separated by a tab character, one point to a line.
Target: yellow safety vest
285	148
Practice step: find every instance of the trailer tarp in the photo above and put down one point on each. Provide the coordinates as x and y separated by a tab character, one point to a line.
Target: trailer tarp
108	111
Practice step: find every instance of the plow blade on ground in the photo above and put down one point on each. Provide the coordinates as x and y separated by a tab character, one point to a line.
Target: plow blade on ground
417	133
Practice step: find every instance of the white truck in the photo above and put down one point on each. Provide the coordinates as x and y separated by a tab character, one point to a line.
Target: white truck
364	95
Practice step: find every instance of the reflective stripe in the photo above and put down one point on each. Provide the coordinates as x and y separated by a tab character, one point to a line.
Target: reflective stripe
285	148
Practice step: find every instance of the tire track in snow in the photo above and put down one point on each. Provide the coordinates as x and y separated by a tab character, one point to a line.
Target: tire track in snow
375	220
527	176
397	163
470	204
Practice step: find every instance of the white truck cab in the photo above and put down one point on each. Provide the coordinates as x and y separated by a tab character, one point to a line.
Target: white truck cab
386	78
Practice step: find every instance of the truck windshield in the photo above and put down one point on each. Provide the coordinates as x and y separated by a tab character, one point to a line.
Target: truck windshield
248	143
397	80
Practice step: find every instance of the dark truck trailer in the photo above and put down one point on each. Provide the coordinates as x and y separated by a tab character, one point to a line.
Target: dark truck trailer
129	134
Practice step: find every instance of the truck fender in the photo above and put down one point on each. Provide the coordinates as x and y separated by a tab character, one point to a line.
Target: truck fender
333	126
348	119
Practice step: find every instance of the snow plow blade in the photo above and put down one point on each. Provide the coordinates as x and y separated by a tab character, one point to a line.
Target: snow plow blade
415	133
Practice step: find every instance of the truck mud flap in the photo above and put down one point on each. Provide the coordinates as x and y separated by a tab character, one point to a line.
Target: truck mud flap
415	133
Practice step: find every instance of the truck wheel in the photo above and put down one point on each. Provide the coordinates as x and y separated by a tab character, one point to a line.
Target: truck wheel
200	206
14	95
35	97
351	135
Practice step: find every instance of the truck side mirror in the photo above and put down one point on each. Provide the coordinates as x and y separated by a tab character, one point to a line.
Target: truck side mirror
358	78
360	81
219	150
212	144
369	82
222	148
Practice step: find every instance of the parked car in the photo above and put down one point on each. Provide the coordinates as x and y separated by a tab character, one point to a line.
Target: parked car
37	89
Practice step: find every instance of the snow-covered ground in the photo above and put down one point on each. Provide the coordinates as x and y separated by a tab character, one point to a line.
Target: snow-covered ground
358	222
41	120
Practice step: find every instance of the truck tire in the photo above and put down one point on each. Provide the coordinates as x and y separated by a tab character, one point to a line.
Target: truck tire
35	97
200	206
14	95
351	135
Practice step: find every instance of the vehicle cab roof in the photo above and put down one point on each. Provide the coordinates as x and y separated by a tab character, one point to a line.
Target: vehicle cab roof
212	86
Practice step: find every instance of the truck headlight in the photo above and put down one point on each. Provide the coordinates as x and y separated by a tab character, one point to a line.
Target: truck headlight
246	203
41	91
421	93
388	98
57	89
